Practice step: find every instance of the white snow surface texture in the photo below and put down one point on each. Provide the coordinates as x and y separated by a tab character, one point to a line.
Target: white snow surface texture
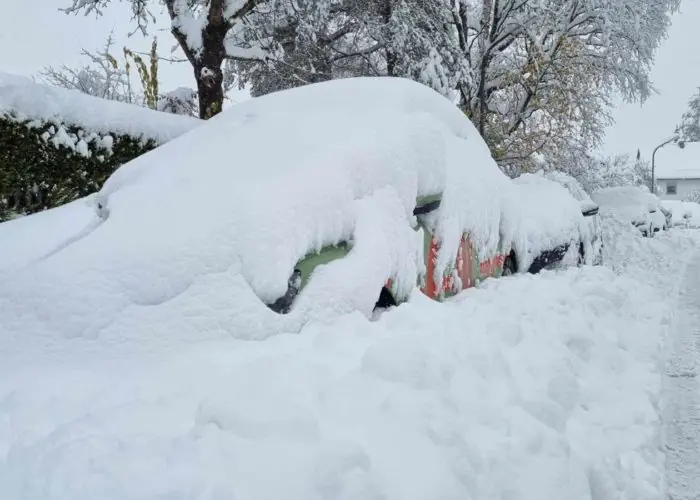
27	100
204	229
529	387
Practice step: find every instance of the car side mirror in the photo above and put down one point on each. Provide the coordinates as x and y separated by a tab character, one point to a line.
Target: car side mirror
590	212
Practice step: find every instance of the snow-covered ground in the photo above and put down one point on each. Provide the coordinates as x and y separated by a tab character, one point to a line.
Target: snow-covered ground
529	387
682	391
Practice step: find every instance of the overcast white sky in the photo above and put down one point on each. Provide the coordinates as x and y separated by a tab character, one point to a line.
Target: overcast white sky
34	34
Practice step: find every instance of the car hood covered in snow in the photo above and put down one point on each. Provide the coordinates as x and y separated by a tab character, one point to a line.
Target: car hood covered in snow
205	226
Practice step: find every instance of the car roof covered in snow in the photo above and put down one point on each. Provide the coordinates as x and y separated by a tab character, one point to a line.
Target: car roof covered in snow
630	202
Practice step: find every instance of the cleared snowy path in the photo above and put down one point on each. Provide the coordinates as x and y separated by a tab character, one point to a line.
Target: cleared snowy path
682	391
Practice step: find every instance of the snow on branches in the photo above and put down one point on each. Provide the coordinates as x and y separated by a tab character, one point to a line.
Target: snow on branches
536	76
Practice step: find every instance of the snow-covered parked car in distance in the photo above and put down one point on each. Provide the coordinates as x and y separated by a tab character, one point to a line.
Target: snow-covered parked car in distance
633	204
325	199
589	208
685	213
680	213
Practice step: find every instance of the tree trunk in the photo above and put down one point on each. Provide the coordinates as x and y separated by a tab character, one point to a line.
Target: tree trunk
208	72
210	88
386	11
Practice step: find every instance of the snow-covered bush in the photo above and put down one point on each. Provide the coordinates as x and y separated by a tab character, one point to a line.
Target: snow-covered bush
694	196
57	145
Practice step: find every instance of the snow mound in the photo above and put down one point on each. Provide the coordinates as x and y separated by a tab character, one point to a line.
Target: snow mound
199	230
24	99
532	387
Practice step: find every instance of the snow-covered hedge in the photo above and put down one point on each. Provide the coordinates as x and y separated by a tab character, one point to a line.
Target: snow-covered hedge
57	145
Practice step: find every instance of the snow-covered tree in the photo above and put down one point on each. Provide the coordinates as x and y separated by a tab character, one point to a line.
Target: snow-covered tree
536	76
694	196
689	129
207	31
181	101
317	40
102	76
544	70
107	77
612	171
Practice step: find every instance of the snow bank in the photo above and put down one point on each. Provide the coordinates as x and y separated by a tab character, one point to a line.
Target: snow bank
221	216
533	387
100	119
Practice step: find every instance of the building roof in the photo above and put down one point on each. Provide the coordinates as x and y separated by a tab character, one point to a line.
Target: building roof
673	162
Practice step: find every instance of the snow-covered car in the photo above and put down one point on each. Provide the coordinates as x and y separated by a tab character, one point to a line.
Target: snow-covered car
325	199
680	213
633	204
589	209
685	213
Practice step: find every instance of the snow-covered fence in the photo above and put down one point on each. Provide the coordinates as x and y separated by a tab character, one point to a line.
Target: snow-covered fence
57	145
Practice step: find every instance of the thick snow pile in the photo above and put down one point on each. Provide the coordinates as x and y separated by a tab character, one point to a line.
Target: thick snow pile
551	215
532	387
189	224
99	119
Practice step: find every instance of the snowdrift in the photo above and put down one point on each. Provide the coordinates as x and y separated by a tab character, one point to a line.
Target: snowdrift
532	387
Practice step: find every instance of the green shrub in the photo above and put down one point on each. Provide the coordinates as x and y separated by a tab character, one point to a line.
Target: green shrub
47	164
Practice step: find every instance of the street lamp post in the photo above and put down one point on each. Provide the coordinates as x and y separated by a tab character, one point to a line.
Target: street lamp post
675	138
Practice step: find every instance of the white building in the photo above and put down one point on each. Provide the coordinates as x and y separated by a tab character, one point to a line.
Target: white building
677	171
